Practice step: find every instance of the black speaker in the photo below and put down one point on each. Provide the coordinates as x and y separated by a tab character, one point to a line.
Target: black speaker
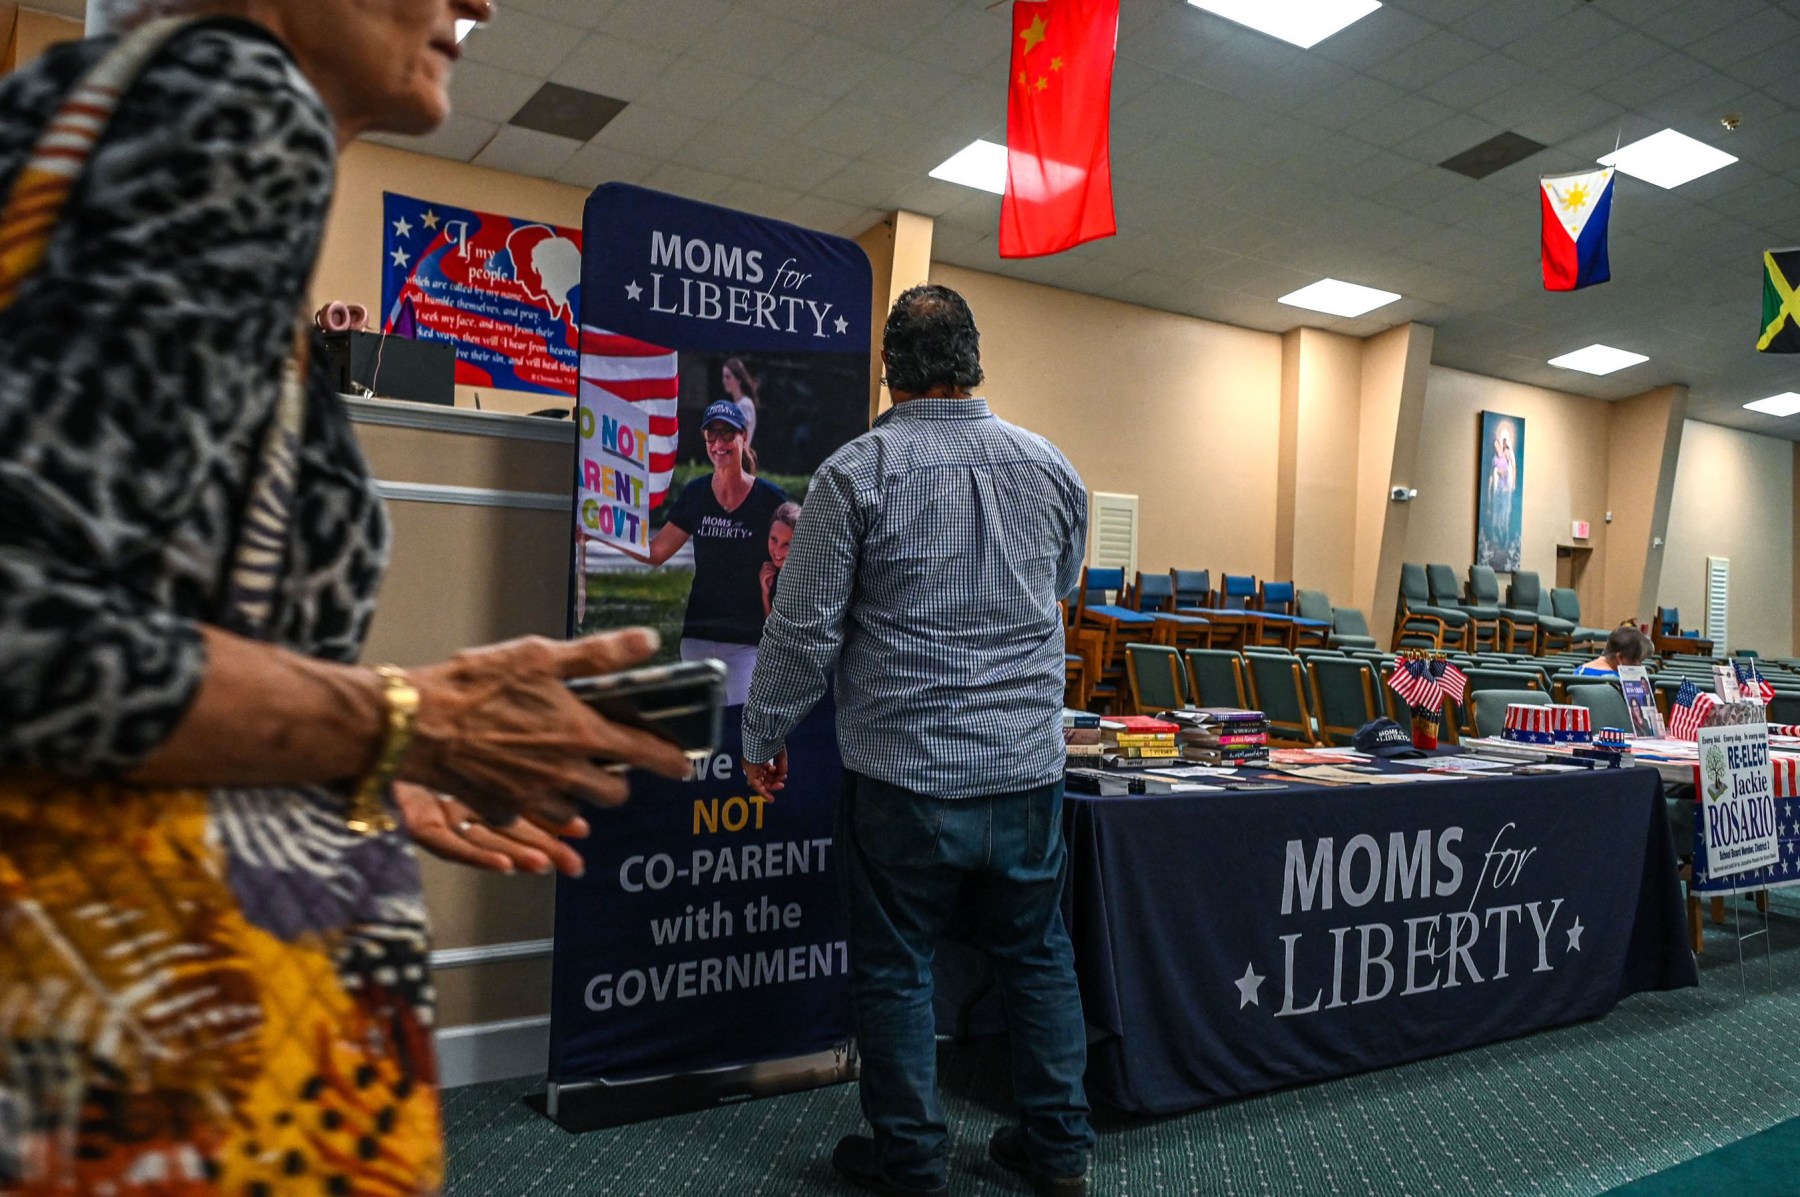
392	367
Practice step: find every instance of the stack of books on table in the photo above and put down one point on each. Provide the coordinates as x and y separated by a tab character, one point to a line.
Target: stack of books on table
1221	735
1081	737
1137	742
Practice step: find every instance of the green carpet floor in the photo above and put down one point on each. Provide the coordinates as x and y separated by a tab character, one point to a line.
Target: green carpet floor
1765	1165
1651	1089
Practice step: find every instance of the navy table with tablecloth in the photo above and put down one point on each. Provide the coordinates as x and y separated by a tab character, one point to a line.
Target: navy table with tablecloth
1233	942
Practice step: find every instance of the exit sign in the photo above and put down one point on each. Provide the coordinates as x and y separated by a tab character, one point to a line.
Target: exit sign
1581	529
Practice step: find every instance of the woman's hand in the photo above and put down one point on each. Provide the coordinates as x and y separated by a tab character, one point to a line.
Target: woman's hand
451	830
498	729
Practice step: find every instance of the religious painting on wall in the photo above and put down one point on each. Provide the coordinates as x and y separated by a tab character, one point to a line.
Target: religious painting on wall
1500	503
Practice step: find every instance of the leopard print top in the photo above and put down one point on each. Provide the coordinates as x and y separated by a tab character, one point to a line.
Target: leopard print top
137	371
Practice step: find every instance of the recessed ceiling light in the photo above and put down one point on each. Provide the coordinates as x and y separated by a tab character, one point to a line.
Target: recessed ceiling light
1667	159
1598	359
979	164
1785	404
464	27
1305	23
1337	298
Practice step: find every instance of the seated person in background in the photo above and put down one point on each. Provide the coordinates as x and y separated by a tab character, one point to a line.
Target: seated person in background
1626	646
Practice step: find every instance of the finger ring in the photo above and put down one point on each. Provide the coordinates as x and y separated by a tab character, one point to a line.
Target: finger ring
462	828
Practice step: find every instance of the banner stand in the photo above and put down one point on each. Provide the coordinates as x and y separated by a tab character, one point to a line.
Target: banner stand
702	956
584	1106
1768	940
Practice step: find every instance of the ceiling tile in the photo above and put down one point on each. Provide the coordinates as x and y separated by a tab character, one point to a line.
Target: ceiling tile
1429	59
523	43
651	132
527	152
585	13
490	92
592	165
827	64
1504	23
751	42
612	66
672	25
1405	118
692	88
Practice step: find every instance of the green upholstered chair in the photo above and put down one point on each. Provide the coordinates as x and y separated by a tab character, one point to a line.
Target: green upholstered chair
1606	703
1490	707
1216	678
1784	708
1496	677
1516	627
1418	623
1344	696
1278	689
1155	676
1526	594
1484	622
1281	598
1348	627
1566	604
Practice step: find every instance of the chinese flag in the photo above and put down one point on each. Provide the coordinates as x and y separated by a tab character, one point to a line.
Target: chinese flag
1058	108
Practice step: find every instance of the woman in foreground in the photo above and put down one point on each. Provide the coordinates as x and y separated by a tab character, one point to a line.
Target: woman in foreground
212	939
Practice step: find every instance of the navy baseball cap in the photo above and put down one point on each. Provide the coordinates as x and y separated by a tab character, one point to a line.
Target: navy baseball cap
1386	739
725	412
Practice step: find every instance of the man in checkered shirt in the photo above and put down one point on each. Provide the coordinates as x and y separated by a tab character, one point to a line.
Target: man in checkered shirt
925	574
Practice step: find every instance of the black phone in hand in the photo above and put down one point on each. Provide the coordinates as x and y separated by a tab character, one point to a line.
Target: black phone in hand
683	703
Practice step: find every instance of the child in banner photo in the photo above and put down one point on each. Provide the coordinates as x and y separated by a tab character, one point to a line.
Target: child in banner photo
781	535
727	515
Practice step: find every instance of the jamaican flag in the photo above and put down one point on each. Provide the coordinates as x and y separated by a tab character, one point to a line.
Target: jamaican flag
1781	305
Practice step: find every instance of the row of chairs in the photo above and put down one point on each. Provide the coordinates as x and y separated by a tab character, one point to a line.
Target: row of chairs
1182	609
1435	611
1322	696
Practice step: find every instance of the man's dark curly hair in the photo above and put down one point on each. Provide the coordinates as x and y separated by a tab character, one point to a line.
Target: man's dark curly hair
930	341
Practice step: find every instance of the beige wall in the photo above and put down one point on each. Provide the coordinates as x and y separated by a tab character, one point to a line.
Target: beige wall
1734	498
1564	476
1183	413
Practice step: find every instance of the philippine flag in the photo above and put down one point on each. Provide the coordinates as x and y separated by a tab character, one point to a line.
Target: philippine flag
1576	209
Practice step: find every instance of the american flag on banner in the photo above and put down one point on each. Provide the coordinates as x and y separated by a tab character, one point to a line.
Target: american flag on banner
1688	711
641	373
1415	683
1752	684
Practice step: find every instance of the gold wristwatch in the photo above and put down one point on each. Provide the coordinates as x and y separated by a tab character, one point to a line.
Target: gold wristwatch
368	810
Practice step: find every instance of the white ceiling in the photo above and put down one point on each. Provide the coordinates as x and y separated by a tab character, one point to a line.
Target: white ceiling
1244	168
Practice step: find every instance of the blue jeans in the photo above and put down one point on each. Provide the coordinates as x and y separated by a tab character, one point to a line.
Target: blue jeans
912	863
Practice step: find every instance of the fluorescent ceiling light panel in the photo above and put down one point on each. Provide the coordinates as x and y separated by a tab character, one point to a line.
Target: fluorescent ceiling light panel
1305	23
1338	299
1785	404
1598	359
464	27
979	164
1668	159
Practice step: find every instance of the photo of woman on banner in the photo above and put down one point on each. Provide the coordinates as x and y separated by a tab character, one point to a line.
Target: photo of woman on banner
726	514
781	535
742	388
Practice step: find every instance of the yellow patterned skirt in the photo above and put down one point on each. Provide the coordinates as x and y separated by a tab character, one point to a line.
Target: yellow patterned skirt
210	993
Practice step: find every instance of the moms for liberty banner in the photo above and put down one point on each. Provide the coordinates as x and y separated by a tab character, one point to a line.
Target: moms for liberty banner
505	292
723	358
